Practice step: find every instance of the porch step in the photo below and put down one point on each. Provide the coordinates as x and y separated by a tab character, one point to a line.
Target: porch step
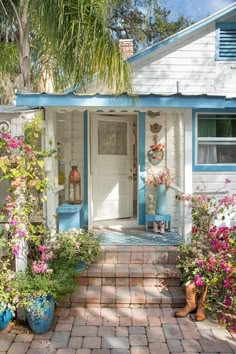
130	275
134	276
139	255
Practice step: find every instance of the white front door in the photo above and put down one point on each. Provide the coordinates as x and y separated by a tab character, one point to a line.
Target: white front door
111	167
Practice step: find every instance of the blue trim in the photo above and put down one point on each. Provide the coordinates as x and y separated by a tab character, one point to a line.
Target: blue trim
221	26
183	33
85	209
196	167
124	100
142	167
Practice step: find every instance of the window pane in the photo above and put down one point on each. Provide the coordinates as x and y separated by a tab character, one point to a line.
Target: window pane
112	138
220	126
216	154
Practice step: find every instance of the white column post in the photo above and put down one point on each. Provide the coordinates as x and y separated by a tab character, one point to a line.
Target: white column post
188	170
51	169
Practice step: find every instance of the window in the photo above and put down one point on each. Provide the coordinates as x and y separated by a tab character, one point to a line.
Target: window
226	41
216	139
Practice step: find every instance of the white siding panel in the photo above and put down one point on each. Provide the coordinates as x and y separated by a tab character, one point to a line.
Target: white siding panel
191	62
215	181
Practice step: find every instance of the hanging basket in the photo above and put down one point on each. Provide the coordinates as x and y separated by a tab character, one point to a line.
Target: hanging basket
155	156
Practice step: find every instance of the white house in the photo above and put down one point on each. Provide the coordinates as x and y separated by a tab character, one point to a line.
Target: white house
186	84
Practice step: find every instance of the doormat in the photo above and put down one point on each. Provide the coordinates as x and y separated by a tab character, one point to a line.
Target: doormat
137	238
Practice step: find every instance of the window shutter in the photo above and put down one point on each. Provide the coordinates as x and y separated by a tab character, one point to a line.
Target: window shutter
227	44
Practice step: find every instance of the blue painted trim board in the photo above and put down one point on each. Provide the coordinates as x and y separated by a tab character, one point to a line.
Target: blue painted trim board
142	167
85	208
196	167
124	100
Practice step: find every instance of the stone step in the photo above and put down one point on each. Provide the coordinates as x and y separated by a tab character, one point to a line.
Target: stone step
139	255
126	296
130	275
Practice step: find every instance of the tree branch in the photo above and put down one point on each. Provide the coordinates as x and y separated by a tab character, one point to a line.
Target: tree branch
4	9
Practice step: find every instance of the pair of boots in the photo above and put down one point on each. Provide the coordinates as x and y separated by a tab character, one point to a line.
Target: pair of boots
192	303
156	228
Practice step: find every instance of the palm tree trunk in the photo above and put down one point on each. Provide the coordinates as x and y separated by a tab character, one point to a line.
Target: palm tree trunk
22	16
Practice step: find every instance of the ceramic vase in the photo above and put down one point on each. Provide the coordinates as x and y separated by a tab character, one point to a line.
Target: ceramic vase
161	200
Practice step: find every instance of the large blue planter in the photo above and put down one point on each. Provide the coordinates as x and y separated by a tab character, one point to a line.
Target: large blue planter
161	200
40	316
5	318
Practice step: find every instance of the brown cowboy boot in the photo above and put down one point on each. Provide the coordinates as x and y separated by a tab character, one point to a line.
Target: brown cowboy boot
191	301
201	311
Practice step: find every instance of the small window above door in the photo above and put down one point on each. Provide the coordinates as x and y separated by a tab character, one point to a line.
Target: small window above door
226	41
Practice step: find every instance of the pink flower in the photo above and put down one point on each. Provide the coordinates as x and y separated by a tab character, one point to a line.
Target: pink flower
226	283
228	301
198	280
200	263
39	267
43	249
227	181
29	152
16	250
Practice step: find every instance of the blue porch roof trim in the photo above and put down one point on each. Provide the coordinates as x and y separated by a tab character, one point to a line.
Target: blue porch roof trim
125	100
196	26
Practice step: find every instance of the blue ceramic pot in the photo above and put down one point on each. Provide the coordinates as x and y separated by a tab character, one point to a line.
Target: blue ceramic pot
40	315
5	318
161	200
80	267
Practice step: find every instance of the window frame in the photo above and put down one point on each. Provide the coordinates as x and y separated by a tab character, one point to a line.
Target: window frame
209	167
219	26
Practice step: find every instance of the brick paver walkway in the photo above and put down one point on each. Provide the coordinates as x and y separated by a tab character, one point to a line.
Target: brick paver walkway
97	330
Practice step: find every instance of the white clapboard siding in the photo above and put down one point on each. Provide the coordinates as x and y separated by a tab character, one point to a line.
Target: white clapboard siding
215	181
190	62
171	135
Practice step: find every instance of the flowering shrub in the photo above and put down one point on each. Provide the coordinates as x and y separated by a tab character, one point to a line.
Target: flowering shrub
210	259
77	245
22	164
163	177
8	295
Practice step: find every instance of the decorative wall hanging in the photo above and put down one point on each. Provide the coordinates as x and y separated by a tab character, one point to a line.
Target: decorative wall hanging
156	153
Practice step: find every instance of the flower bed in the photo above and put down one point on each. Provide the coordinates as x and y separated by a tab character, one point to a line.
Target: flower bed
210	259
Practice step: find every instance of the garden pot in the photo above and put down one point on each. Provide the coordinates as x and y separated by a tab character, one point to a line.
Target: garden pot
81	266
40	315
5	318
161	200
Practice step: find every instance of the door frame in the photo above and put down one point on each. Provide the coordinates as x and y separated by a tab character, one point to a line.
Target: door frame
89	152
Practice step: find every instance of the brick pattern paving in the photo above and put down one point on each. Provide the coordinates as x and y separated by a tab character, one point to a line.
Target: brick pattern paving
106	330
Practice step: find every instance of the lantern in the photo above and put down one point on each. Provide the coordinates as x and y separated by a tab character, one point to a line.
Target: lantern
74	185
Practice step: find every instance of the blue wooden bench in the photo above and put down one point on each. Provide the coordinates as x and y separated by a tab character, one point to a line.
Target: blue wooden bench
158	218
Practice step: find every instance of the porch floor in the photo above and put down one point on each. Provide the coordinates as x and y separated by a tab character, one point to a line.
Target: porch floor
139	238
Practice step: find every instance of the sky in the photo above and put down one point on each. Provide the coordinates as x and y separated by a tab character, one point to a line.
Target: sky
195	10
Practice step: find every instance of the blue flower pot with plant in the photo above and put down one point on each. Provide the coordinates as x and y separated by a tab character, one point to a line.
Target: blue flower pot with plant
40	313
5	318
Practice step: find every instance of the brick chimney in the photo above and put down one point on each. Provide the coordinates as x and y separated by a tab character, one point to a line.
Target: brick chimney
126	47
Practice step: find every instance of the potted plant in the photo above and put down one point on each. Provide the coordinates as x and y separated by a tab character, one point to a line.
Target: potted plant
78	247
44	282
8	294
162	182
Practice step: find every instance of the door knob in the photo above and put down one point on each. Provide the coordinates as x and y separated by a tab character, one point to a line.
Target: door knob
130	178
